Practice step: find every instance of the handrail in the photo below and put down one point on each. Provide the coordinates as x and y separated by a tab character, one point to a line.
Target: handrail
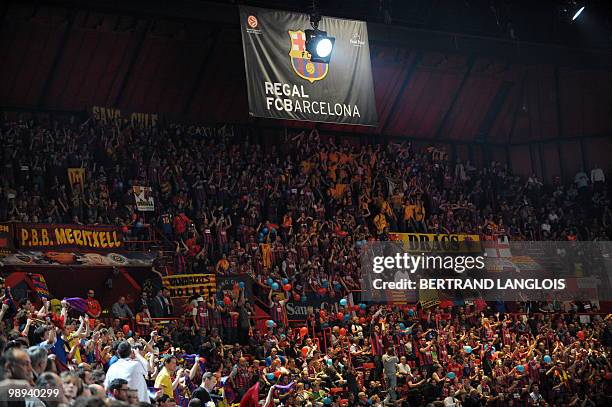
164	239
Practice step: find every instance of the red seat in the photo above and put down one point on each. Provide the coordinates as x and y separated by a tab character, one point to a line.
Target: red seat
368	365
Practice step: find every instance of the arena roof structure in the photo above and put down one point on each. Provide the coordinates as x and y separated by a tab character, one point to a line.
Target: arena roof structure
184	60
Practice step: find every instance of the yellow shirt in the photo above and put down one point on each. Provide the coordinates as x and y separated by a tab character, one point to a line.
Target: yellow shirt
345	158
71	342
385	208
380	222
266	254
306	166
338	191
419	213
223	264
164	382
409	211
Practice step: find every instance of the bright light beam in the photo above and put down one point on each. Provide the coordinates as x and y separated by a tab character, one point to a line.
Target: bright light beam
580	10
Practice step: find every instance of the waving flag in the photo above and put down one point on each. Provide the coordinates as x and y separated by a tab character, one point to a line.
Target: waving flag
251	397
77	303
40	285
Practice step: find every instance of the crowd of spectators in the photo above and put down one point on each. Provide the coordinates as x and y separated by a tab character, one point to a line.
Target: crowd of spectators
374	355
298	210
296	213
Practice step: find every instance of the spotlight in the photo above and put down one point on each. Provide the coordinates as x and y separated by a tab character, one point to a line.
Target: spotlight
324	47
319	45
577	13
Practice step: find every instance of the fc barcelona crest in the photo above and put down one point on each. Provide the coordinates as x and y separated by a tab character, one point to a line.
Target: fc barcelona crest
300	59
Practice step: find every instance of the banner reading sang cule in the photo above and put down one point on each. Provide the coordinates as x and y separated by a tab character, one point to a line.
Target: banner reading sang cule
282	81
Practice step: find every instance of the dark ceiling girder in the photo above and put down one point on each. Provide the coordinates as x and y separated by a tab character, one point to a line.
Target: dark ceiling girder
519	103
226	15
206	60
398	96
132	63
558	102
4	11
451	106
494	108
559	123
58	57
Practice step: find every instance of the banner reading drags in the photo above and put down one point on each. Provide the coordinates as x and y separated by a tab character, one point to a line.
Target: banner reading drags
283	82
436	241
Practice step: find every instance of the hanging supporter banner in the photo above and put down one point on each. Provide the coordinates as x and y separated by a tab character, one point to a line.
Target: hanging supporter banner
6	239
76	177
283	82
436	241
299	310
113	115
186	285
41	236
429	298
144	198
27	258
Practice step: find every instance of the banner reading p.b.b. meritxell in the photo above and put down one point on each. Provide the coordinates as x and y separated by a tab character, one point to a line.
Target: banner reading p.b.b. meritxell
282	81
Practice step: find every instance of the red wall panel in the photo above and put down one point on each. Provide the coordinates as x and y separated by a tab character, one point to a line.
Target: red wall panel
498	154
598	152
97	56
571	157
521	160
27	48
551	160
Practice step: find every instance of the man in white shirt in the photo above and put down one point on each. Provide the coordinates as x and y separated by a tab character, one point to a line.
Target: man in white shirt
598	178
451	401
390	361
597	175
403	368
132	367
535	398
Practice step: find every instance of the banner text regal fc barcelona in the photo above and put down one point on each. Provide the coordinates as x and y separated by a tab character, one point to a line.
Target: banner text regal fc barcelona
37	236
283	82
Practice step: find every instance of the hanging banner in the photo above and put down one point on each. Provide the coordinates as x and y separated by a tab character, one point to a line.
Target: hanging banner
113	115
43	236
26	258
283	82
299	310
186	285
437	241
144	198
6	239
76	177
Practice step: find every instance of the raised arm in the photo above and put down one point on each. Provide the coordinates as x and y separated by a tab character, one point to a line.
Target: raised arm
194	369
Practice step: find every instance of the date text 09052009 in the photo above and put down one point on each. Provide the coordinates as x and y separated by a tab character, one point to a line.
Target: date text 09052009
18	394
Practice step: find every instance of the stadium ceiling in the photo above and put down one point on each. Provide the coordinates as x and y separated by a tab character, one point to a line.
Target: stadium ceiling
540	31
183	59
